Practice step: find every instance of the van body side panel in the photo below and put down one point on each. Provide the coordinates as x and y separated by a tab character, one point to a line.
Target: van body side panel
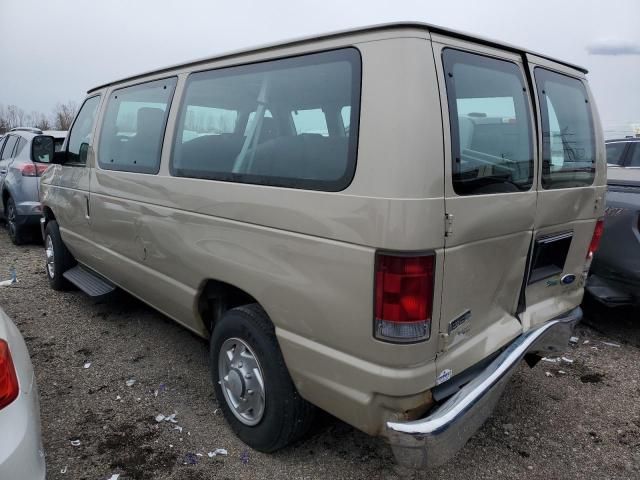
306	256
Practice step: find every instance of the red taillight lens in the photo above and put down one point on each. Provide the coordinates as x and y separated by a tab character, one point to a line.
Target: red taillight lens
404	297
33	169
595	240
8	379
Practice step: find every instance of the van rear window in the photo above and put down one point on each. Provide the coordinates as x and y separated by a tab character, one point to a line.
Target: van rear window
490	123
568	146
290	122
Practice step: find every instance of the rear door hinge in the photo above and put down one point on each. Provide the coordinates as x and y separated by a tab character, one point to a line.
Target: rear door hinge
448	224
443	342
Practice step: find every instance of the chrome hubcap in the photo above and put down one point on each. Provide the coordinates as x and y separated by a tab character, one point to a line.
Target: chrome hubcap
51	268
241	380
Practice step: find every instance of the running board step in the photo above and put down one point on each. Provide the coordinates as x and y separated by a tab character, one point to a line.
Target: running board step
89	282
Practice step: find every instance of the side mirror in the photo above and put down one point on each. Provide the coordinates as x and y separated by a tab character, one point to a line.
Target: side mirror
42	149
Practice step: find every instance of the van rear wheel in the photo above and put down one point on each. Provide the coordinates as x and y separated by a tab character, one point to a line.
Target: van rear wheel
252	383
58	257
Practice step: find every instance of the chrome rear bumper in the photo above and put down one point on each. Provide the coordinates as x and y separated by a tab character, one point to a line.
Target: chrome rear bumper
433	440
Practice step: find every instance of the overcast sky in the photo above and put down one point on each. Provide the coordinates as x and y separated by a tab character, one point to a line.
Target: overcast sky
52	51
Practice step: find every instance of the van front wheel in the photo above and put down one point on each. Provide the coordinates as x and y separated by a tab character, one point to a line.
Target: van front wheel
252	383
58	258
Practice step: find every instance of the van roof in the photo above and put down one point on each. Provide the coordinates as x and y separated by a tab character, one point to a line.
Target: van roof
370	28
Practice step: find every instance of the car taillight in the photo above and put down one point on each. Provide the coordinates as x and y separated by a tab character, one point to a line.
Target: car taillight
595	240
33	169
8	380
403	297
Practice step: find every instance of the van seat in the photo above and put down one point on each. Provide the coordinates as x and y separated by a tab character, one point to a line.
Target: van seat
306	156
210	153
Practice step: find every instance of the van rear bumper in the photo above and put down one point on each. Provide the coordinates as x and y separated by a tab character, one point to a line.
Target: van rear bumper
433	440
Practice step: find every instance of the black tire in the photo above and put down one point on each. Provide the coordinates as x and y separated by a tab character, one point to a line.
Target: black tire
16	231
287	416
62	258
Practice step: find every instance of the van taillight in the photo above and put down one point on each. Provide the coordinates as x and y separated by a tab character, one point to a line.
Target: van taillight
595	240
8	379
33	169
403	297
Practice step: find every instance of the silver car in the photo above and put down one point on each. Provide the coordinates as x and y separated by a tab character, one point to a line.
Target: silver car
21	451
22	161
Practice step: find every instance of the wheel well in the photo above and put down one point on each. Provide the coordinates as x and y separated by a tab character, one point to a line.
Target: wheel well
48	215
216	298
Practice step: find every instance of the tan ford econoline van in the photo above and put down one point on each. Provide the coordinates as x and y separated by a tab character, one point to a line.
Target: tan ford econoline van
381	223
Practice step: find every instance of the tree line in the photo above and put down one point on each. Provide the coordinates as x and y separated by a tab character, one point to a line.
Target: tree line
61	117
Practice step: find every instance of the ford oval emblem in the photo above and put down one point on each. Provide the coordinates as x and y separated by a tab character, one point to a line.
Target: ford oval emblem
568	279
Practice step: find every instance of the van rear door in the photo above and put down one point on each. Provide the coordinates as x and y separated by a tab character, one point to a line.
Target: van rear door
490	198
571	188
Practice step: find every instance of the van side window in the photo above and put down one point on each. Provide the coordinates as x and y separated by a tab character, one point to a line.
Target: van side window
568	144
287	128
81	131
133	127
490	122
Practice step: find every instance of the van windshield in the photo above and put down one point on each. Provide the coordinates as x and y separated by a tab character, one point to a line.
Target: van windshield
491	136
568	148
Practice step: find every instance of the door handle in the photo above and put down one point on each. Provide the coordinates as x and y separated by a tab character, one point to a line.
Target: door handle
3	171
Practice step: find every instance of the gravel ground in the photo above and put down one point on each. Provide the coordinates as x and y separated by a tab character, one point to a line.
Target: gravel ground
571	420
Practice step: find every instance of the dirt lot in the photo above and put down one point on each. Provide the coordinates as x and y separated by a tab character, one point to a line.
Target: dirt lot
571	420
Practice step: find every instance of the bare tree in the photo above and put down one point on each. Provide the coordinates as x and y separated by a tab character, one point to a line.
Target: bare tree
40	120
63	115
4	122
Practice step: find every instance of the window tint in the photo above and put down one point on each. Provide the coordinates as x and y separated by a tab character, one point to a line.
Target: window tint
288	129
635	156
345	115
21	144
81	131
201	121
490	124
615	151
134	124
568	146
310	121
8	147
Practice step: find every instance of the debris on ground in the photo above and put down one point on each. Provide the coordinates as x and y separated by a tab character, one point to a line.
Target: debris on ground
87	365
166	418
611	344
190	459
12	280
567	360
218	451
573	340
244	456
562	372
63	470
548	374
115	476
75	443
131	382
550	360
